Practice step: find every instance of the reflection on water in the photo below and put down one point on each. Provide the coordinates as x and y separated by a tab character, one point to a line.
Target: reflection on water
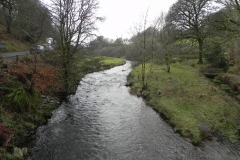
103	121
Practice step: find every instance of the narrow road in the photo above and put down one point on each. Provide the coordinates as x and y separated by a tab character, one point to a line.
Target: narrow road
13	54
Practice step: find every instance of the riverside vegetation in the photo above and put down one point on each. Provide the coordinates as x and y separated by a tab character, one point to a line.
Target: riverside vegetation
195	107
29	91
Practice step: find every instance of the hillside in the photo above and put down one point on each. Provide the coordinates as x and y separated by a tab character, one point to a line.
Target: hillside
13	44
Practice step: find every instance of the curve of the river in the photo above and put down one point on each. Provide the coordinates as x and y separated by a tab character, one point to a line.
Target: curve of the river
104	121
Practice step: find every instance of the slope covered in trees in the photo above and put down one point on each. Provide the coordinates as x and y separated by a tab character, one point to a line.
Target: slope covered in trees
27	20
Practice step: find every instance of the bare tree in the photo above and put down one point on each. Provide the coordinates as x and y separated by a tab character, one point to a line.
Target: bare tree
190	16
140	45
74	22
156	25
166	36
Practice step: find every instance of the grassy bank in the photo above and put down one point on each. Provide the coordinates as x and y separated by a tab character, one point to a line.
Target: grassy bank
109	62
24	123
97	63
195	107
12	43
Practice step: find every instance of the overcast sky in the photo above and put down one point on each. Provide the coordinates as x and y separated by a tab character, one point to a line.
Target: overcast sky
121	15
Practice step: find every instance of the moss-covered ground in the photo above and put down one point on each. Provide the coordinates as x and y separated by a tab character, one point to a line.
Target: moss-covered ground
195	107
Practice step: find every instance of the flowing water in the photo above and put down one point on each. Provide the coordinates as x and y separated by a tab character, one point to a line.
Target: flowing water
102	121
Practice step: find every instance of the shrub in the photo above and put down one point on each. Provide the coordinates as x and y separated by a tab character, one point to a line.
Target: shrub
24	98
216	57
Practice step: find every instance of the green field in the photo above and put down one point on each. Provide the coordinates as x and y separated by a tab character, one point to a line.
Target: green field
111	61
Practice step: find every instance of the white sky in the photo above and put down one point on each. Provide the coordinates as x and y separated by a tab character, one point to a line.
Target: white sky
121	15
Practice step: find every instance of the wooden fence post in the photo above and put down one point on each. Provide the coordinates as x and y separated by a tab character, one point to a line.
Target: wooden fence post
17	58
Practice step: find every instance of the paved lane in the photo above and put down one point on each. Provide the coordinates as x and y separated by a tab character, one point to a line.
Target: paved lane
13	54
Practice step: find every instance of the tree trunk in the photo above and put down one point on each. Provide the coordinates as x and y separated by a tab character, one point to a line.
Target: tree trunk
168	58
66	73
168	69
144	61
8	17
143	69
200	45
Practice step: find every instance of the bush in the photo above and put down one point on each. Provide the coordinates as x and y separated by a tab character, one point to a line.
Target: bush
24	98
216	57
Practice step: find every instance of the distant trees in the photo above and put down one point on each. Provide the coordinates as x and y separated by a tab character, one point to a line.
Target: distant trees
9	11
191	26
28	20
97	45
107	47
32	21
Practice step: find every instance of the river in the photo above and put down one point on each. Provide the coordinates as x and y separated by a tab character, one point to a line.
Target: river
103	121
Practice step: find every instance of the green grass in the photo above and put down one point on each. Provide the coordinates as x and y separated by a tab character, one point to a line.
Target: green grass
111	61
15	47
225	87
192	104
90	63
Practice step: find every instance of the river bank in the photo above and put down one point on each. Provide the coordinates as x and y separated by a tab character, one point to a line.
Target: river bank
191	103
23	125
